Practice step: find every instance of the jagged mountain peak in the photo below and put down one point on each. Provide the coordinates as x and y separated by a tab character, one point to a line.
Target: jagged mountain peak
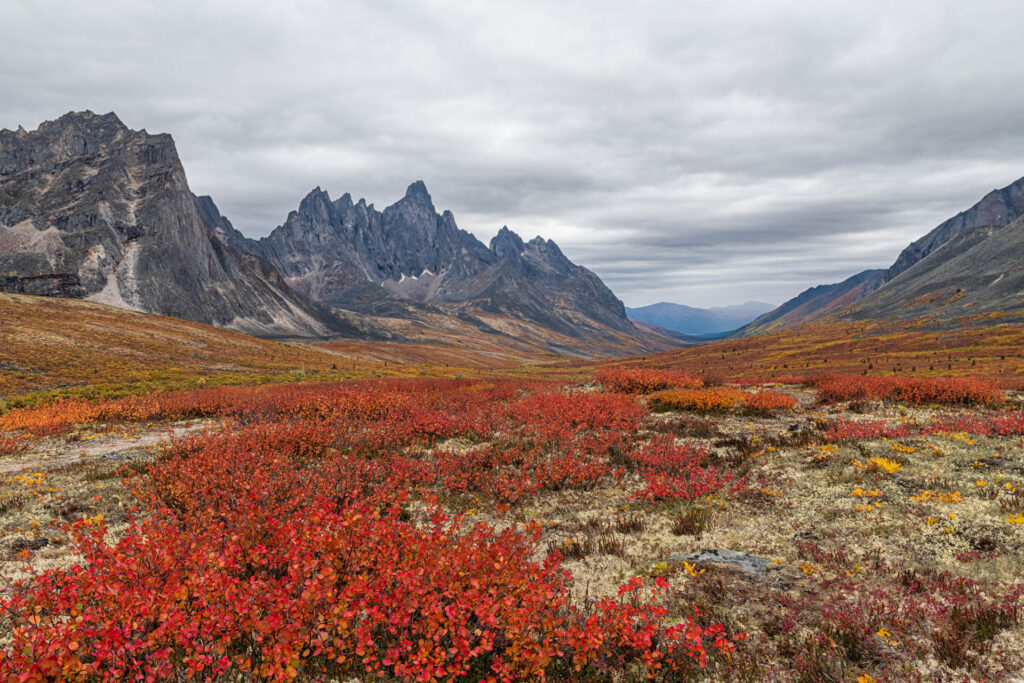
507	244
542	243
315	200
550	251
360	259
208	206
92	209
416	194
88	116
73	136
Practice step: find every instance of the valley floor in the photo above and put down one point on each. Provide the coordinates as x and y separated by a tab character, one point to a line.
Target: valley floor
587	530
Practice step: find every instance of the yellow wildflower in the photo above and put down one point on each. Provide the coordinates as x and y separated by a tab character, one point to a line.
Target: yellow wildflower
691	569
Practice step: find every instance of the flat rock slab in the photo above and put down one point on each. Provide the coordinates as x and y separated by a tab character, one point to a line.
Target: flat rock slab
753	564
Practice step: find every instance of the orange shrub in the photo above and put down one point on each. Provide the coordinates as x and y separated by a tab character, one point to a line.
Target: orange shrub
721	400
52	418
712	400
644	381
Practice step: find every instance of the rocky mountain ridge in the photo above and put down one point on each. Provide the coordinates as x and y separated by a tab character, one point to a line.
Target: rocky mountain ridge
92	209
976	275
950	264
352	256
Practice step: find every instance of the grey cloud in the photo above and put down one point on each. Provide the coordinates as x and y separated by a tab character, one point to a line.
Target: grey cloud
702	152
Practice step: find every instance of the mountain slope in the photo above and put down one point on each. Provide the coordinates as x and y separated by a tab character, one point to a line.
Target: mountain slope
997	208
931	270
977	272
92	209
409	262
51	342
816	302
698	321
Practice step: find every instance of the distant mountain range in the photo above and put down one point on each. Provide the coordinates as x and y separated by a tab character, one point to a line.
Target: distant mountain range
968	270
351	256
699	321
92	209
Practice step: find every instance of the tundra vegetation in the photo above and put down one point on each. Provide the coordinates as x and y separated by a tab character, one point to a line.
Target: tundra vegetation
511	529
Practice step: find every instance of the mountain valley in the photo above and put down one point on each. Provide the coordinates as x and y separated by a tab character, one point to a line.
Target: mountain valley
94	210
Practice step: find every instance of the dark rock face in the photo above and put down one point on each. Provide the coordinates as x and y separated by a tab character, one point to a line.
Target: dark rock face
975	273
339	252
92	209
968	265
355	257
998	208
972	251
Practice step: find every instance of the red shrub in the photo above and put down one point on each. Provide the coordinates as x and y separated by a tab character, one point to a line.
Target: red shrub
643	380
253	570
916	390
986	424
677	472
420	410
558	419
12	445
279	548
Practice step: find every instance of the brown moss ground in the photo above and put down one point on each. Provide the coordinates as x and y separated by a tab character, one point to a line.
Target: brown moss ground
882	348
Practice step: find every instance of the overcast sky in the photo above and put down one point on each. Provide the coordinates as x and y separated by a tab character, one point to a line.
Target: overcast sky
705	153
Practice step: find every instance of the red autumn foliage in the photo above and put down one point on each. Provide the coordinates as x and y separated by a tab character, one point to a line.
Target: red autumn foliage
678	472
644	380
916	390
1009	423
282	547
411	405
12	445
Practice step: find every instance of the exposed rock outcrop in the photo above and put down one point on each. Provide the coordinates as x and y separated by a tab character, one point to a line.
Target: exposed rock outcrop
92	209
352	256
